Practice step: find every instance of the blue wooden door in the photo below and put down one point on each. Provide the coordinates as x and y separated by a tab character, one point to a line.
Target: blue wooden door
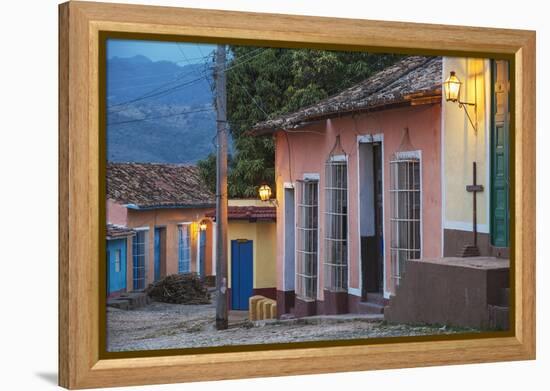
202	253
241	273
157	254
116	266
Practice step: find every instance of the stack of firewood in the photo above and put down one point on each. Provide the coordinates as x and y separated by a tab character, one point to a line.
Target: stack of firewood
185	288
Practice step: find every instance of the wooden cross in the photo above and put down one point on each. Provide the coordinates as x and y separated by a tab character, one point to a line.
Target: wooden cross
469	250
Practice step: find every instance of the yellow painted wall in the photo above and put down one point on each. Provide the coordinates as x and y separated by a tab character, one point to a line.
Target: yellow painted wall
462	145
263	238
265	272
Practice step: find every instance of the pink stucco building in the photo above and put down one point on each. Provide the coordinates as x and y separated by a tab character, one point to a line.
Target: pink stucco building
358	184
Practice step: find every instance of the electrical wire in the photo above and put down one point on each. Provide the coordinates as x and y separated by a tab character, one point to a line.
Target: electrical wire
160	116
156	93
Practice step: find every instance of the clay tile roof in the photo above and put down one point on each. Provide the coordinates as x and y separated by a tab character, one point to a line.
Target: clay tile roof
118	231
414	76
250	213
156	185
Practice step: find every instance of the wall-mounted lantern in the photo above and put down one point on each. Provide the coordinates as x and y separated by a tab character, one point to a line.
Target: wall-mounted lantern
265	192
451	89
202	225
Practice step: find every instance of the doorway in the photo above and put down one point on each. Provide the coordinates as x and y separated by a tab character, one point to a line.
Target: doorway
290	239
116	266
202	253
241	273
160	252
371	218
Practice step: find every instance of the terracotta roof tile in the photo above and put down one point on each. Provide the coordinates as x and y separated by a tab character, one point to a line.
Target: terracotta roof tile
118	231
251	213
156	185
413	76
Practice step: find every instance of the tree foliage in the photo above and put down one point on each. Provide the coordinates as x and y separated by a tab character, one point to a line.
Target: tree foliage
263	83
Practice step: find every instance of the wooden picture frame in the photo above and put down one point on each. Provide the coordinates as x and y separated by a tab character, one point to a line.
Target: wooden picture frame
80	150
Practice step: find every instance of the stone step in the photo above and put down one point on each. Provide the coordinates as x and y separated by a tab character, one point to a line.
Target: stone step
499	317
376	298
121	304
366	307
135	299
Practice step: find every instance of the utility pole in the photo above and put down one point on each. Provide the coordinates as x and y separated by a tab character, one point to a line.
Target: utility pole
221	191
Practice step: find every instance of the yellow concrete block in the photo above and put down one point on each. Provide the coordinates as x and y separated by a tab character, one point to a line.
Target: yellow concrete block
260	309
266	309
274	311
252	307
267	304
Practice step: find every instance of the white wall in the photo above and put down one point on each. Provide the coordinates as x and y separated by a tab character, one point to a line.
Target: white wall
28	154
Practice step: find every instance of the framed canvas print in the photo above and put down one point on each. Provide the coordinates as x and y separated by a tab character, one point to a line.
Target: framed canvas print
246	195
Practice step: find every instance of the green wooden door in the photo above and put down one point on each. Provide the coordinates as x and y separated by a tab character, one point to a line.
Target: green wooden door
500	183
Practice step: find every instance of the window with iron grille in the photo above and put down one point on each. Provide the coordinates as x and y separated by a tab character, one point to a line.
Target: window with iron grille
307	231
184	249
139	252
405	218
336	224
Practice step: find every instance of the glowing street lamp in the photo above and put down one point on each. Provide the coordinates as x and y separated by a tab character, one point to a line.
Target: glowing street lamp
451	88
265	192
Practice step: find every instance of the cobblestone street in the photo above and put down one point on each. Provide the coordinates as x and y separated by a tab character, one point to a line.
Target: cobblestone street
167	326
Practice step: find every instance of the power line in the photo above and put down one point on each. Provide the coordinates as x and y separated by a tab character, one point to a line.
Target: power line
199	73
160	116
152	92
156	93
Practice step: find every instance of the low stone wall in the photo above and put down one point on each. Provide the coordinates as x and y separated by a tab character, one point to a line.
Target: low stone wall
452	291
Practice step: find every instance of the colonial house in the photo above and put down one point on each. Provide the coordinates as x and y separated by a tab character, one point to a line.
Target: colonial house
376	176
163	209
251	237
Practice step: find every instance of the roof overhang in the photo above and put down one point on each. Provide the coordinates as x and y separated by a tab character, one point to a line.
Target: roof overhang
417	99
170	206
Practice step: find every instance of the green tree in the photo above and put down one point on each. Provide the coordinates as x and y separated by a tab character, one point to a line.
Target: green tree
263	83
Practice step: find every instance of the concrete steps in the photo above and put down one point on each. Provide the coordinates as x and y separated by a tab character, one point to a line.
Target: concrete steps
129	301
374	304
499	317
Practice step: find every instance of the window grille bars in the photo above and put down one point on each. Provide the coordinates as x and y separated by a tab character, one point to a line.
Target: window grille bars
184	249
307	230
336	221
405	214
139	253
